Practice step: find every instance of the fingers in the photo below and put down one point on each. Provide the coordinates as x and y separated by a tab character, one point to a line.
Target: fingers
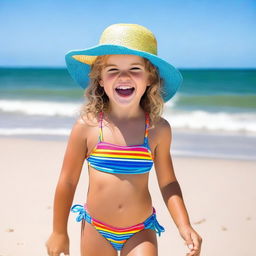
57	245
66	253
189	241
191	249
195	245
58	254
193	242
197	240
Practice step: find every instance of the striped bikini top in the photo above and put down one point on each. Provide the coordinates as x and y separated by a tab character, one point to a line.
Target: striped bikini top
111	158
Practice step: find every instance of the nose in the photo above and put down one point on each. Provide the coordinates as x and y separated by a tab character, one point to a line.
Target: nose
124	75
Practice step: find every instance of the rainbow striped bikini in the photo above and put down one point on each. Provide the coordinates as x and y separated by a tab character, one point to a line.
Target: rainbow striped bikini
111	158
117	236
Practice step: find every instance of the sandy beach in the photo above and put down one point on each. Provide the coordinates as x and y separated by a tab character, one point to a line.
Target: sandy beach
220	196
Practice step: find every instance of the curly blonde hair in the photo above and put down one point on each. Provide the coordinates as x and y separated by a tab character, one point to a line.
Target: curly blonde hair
97	100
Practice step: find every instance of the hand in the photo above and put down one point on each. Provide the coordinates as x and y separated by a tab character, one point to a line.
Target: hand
57	244
192	240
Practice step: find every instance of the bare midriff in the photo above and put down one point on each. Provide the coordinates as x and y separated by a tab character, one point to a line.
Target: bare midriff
120	200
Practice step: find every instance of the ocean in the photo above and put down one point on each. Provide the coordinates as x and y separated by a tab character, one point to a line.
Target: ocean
213	114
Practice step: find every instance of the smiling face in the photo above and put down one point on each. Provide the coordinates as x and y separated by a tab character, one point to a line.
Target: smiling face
124	78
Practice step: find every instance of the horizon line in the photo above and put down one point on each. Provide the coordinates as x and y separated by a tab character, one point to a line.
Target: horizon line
64	67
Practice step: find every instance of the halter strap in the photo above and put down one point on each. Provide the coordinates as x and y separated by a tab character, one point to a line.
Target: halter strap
146	127
100	126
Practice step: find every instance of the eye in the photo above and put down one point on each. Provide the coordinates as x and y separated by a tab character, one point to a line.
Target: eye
135	69
112	70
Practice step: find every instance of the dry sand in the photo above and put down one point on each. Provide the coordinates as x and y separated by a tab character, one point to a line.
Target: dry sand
220	196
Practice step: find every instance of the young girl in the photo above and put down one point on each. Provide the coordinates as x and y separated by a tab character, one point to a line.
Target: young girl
121	134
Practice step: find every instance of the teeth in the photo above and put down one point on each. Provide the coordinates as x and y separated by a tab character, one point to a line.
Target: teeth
123	87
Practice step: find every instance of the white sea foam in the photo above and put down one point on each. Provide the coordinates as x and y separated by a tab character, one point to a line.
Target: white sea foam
234	122
213	121
45	108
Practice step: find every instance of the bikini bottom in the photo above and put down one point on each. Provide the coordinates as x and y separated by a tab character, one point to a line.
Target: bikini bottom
117	236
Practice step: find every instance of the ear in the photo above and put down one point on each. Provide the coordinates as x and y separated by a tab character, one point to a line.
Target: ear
148	82
101	83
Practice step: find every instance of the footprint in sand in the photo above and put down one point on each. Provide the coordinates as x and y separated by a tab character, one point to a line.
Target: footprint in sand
223	228
9	230
199	221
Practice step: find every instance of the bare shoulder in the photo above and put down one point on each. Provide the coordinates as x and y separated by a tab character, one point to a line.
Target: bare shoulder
159	134
85	133
82	127
77	149
162	124
162	131
88	121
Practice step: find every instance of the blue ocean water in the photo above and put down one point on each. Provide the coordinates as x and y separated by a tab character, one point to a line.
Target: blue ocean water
45	102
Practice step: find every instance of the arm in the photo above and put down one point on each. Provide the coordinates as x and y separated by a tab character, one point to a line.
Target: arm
64	193
171	190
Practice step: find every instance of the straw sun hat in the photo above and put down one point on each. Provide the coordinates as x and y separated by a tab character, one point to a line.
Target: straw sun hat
124	39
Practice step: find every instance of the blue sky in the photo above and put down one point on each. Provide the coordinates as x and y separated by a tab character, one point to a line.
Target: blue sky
190	34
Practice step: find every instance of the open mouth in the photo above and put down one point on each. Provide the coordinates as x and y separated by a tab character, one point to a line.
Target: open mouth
125	91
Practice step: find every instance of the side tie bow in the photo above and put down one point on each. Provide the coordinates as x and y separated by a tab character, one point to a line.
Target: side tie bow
152	223
82	214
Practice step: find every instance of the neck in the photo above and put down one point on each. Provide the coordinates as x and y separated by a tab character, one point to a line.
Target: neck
125	113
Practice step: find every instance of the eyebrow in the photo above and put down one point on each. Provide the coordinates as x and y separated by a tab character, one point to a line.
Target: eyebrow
137	63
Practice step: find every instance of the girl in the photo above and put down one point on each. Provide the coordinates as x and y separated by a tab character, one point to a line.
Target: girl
121	134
